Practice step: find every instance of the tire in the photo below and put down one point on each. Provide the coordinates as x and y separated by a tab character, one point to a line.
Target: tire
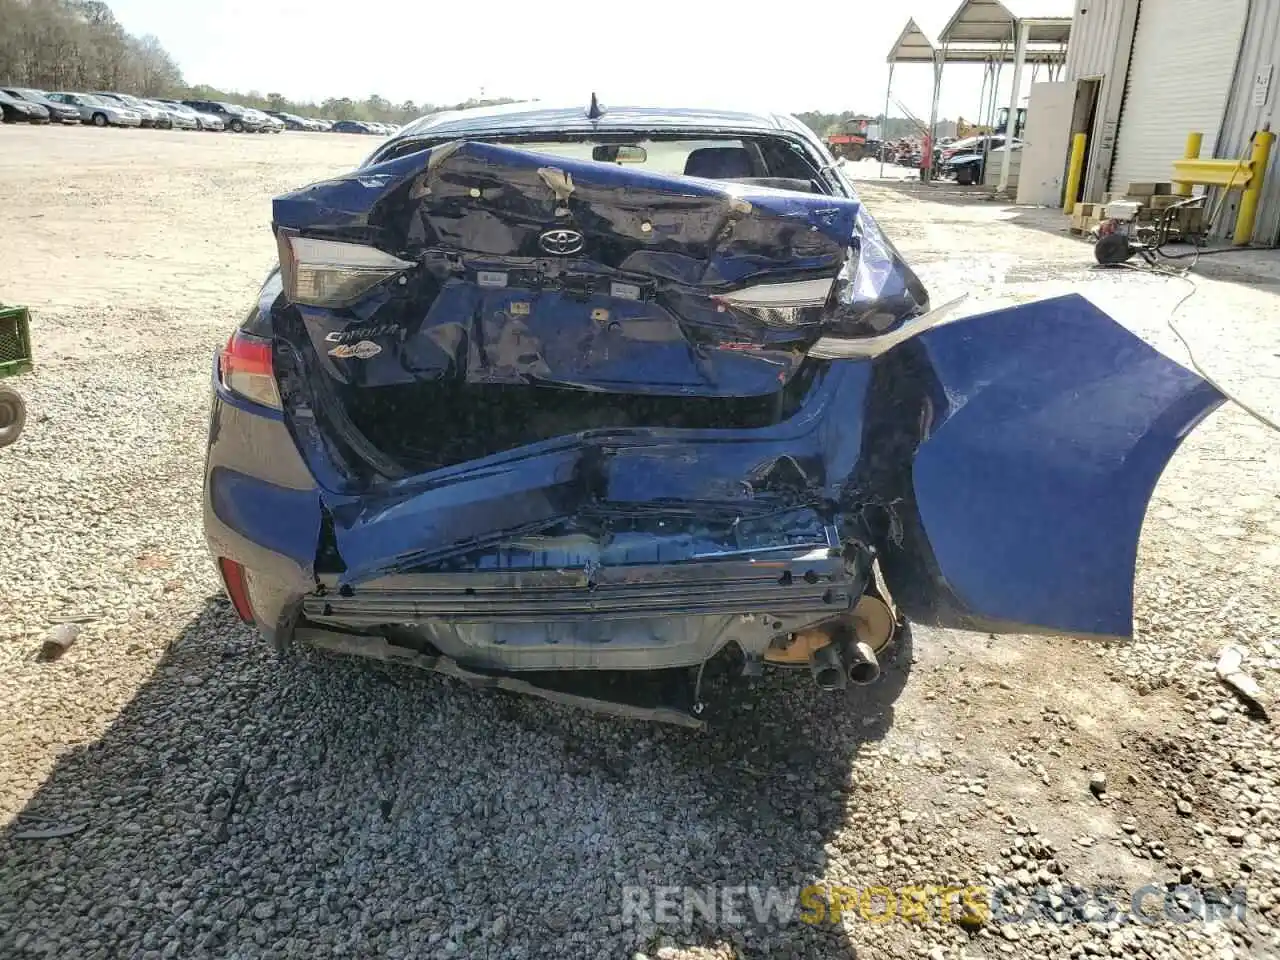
99	119
1112	249
237	126
13	415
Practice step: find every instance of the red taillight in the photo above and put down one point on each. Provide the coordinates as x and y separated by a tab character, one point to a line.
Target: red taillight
245	369
237	589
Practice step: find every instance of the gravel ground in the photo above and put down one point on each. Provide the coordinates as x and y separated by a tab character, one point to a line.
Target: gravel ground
236	806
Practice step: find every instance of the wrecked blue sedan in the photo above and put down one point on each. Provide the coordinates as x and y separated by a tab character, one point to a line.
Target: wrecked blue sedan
558	401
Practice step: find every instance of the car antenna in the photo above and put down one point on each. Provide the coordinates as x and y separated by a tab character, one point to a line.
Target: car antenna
595	111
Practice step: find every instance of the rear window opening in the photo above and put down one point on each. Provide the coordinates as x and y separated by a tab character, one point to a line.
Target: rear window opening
775	162
429	426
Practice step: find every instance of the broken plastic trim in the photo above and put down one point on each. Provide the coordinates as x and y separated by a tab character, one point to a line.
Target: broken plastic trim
377	648
864	348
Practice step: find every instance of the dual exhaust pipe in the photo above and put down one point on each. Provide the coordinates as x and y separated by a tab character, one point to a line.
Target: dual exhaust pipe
843	650
852	647
842	662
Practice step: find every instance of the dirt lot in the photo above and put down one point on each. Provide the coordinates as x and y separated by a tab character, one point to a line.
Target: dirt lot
237	806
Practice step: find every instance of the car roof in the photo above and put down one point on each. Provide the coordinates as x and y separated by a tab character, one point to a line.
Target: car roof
531	117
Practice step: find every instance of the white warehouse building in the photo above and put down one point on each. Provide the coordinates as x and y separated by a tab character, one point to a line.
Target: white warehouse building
1146	73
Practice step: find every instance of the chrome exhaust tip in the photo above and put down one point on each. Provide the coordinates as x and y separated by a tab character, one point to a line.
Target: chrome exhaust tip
864	665
828	667
849	655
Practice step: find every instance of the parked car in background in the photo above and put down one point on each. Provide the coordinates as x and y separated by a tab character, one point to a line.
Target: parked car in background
177	120
963	159
233	116
151	116
970	168
269	123
322	124
971	145
58	112
203	121
18	110
98	110
292	121
351	126
681	442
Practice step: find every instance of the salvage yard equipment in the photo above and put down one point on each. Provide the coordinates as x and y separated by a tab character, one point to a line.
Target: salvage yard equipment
15	358
1122	233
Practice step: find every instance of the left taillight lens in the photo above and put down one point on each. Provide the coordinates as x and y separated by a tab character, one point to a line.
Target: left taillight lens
244	368
332	273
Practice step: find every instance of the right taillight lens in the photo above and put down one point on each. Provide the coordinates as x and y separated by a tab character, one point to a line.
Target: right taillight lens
245	369
785	304
332	273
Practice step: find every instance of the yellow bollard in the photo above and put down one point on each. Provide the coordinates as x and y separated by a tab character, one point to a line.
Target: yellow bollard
1192	153
1248	212
1074	168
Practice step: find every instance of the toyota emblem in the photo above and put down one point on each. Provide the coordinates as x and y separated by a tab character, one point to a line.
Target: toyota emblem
561	242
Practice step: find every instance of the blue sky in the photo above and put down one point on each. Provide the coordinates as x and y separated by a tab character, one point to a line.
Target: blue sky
819	55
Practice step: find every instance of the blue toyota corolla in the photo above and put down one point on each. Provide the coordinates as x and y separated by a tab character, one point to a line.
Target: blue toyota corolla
545	398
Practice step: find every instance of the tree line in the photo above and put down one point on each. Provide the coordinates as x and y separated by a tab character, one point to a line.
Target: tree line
79	45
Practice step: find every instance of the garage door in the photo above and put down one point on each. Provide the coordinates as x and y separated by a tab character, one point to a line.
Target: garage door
1180	73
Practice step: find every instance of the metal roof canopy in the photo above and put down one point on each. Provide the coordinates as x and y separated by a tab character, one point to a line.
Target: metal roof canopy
912	46
981	31
996	21
990	32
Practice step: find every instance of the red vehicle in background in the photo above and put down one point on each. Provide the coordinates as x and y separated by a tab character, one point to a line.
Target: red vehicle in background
851	145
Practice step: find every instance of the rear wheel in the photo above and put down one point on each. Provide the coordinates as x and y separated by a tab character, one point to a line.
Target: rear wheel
237	126
13	414
99	119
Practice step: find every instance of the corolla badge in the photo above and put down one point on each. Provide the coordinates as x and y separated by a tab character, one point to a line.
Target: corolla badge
561	242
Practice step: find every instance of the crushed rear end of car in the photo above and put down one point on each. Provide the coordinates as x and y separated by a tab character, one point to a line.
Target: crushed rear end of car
559	426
